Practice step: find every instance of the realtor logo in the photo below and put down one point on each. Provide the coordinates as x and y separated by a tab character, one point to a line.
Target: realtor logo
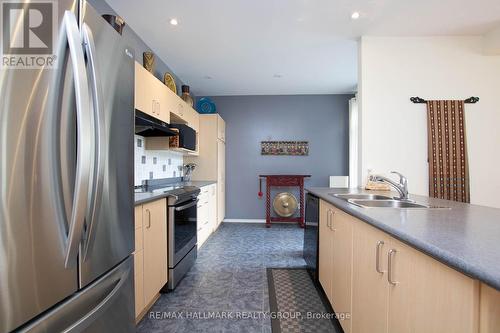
28	33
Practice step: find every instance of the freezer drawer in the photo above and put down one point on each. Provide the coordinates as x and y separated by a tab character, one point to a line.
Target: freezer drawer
105	306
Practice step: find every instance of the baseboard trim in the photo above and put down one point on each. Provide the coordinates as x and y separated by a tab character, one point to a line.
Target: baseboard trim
245	220
253	221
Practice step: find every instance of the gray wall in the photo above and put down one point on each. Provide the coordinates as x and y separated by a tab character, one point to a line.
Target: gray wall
323	120
138	44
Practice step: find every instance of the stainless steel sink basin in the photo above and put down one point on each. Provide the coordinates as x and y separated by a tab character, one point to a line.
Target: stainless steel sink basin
361	196
386	204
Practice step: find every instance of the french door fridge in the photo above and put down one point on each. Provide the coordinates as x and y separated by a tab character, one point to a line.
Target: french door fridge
66	183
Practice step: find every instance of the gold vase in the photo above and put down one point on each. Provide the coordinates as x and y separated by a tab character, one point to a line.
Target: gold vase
186	96
148	59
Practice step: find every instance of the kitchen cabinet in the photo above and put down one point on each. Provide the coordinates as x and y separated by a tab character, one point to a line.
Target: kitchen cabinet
325	268
139	283
335	260
155	247
138	263
150	256
221	129
212	207
207	214
150	94
221	180
398	289
181	112
211	159
489	316
369	284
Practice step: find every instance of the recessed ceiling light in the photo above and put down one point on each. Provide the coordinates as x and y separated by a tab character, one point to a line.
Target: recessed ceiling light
174	21
355	15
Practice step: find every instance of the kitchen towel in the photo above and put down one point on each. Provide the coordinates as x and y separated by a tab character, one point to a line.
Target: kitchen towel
447	149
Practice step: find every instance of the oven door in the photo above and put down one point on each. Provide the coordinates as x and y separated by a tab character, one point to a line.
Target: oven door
182	227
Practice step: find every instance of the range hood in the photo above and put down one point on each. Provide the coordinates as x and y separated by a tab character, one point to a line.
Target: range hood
147	126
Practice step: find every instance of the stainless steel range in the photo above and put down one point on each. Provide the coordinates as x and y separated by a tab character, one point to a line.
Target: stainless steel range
182	230
182	222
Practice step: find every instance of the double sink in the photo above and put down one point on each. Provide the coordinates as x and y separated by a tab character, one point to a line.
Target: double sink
379	201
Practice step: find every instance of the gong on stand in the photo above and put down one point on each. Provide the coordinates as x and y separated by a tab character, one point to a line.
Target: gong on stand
285	204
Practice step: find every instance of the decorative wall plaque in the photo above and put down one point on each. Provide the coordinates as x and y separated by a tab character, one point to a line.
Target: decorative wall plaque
294	148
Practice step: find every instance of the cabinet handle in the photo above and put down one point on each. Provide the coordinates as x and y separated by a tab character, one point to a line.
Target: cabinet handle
377	259
149	219
332	212
328	218
390	255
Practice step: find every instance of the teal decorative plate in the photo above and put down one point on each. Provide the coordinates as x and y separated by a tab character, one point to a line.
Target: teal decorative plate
206	106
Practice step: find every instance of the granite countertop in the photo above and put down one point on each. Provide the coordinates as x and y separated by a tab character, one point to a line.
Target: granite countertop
140	198
465	237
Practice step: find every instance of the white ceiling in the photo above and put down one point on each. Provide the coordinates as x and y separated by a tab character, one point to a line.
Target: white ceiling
238	47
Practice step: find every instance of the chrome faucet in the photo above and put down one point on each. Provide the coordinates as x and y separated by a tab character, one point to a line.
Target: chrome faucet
401	187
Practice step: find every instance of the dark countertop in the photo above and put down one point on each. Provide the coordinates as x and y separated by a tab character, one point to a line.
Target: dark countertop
465	237
141	198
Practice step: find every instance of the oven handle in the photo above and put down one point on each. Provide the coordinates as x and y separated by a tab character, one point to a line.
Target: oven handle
193	203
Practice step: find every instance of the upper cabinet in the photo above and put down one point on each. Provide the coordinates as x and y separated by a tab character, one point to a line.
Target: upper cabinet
221	129
151	94
157	100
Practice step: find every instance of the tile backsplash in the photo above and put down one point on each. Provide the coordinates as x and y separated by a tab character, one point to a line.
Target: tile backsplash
154	164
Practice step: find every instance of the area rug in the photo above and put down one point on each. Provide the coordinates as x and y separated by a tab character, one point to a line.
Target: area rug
297	304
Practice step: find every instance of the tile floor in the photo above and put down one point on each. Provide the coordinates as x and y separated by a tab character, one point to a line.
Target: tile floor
229	278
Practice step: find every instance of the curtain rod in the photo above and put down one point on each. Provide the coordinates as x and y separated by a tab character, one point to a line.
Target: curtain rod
470	100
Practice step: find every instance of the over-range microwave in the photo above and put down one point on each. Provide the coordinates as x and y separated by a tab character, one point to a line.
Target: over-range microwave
187	136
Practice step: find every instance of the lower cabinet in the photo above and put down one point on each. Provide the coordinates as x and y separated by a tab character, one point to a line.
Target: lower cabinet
390	287
399	289
489	316
207	213
150	260
335	260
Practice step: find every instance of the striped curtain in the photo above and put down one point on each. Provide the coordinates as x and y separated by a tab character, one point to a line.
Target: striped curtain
448	164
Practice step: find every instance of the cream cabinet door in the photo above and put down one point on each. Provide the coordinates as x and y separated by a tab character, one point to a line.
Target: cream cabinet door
221	181
221	129
212	207
155	248
428	296
192	118
139	282
162	99
400	275
489	313
325	259
143	94
341	284
138	263
150	94
369	279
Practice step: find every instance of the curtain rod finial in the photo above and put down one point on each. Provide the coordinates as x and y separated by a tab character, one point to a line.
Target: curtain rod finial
472	100
417	100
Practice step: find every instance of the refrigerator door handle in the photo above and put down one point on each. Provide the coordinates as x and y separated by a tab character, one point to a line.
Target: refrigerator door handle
99	131
86	307
70	36
116	283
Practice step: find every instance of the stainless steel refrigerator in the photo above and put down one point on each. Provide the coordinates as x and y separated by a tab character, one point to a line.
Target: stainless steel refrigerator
66	183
